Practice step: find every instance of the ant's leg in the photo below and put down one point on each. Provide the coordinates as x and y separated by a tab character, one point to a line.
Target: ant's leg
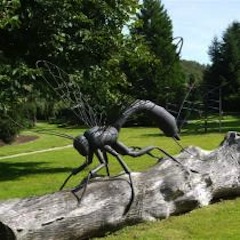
103	158
134	148
106	160
126	169
79	169
169	155
124	150
116	154
128	151
90	175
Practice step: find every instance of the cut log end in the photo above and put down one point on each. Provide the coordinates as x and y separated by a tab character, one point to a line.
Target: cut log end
6	233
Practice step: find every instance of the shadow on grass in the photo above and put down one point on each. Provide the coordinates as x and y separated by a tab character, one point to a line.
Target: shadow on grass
15	170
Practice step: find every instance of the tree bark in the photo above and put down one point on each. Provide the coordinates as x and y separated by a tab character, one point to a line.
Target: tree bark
166	189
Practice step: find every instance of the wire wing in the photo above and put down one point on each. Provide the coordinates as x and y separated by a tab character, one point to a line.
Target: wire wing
69	92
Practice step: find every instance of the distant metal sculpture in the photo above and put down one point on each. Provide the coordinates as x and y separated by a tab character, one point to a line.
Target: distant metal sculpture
204	101
102	140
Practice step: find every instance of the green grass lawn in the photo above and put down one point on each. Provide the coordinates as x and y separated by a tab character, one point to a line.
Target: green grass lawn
219	221
43	173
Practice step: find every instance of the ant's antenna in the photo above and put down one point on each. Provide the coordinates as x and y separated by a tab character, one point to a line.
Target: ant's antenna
180	145
42	130
64	135
183	103
179	44
184	149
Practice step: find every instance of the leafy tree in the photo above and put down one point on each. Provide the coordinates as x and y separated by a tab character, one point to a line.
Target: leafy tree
82	37
225	67
159	69
192	69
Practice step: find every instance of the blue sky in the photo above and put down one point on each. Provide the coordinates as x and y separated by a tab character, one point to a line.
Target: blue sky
198	21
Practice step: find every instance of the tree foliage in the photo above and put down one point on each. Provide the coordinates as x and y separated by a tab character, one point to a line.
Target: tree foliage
225	68
193	70
160	69
86	39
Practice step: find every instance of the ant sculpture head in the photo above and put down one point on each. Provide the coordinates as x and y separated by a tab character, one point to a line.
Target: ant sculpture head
167	123
81	144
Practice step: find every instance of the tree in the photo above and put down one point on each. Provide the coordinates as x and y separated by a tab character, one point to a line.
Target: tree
193	69
224	70
160	67
85	40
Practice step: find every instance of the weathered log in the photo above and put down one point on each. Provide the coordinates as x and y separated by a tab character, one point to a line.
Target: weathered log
166	189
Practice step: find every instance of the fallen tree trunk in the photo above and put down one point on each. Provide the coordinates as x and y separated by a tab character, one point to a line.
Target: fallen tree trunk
166	189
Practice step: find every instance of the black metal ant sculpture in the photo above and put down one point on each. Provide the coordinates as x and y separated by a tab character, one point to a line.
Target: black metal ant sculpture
101	140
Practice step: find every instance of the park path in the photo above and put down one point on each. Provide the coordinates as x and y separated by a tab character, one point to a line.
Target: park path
35	152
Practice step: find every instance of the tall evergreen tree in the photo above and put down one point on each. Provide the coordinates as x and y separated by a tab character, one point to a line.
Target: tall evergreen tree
159	76
225	67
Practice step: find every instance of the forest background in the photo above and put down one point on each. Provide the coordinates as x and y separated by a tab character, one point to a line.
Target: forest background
116	51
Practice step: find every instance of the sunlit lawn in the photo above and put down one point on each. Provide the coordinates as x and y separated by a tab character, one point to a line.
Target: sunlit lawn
219	221
42	173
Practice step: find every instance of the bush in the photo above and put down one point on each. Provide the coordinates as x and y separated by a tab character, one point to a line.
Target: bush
8	129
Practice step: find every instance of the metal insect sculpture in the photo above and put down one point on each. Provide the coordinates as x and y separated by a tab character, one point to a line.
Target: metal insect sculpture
102	140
